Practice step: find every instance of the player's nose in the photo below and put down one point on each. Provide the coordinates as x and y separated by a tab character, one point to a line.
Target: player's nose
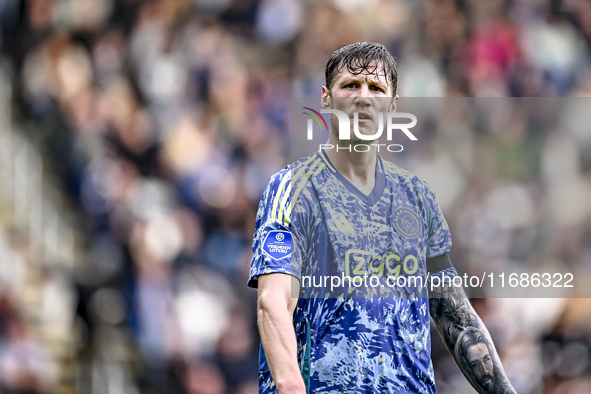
363	90
363	95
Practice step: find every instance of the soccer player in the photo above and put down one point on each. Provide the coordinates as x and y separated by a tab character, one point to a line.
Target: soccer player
345	214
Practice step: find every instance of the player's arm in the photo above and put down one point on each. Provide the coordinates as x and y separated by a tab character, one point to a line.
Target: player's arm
275	319
462	331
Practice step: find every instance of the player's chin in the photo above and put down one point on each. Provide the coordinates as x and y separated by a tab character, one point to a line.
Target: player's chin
368	129
359	141
368	137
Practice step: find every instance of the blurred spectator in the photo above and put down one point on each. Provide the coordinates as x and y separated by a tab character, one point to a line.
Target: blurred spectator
25	366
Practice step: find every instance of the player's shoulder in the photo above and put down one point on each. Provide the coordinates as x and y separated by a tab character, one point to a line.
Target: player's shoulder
280	177
287	187
297	171
408	179
402	175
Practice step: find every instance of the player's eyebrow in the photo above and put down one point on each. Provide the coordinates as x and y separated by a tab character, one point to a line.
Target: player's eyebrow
378	78
350	79
378	83
358	78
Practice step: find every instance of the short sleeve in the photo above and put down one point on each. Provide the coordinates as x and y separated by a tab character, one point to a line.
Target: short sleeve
272	247
439	236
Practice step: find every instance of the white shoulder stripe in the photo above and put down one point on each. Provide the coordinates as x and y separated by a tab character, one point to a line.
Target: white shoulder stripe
314	169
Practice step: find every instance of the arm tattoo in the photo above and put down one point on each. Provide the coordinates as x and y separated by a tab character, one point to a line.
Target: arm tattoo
466	338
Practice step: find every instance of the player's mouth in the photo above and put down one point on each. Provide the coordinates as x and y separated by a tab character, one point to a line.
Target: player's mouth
363	116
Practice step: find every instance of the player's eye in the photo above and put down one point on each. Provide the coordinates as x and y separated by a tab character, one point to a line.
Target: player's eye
350	85
376	88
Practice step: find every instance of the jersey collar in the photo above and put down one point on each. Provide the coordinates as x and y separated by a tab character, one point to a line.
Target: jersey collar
378	189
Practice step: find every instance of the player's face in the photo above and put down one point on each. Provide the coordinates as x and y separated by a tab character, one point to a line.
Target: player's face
481	364
368	94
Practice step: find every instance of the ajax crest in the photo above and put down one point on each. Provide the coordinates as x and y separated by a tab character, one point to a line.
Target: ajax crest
407	222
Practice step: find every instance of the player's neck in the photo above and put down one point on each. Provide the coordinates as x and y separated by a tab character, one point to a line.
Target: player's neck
358	167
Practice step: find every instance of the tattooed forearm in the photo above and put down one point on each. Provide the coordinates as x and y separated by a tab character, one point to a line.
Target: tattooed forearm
467	339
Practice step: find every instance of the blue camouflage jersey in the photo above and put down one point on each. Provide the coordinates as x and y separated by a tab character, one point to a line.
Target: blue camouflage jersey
314	224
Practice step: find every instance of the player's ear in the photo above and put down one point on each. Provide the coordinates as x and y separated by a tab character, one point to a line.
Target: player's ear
325	98
394	104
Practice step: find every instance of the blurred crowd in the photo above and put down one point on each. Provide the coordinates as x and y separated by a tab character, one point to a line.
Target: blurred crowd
162	121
